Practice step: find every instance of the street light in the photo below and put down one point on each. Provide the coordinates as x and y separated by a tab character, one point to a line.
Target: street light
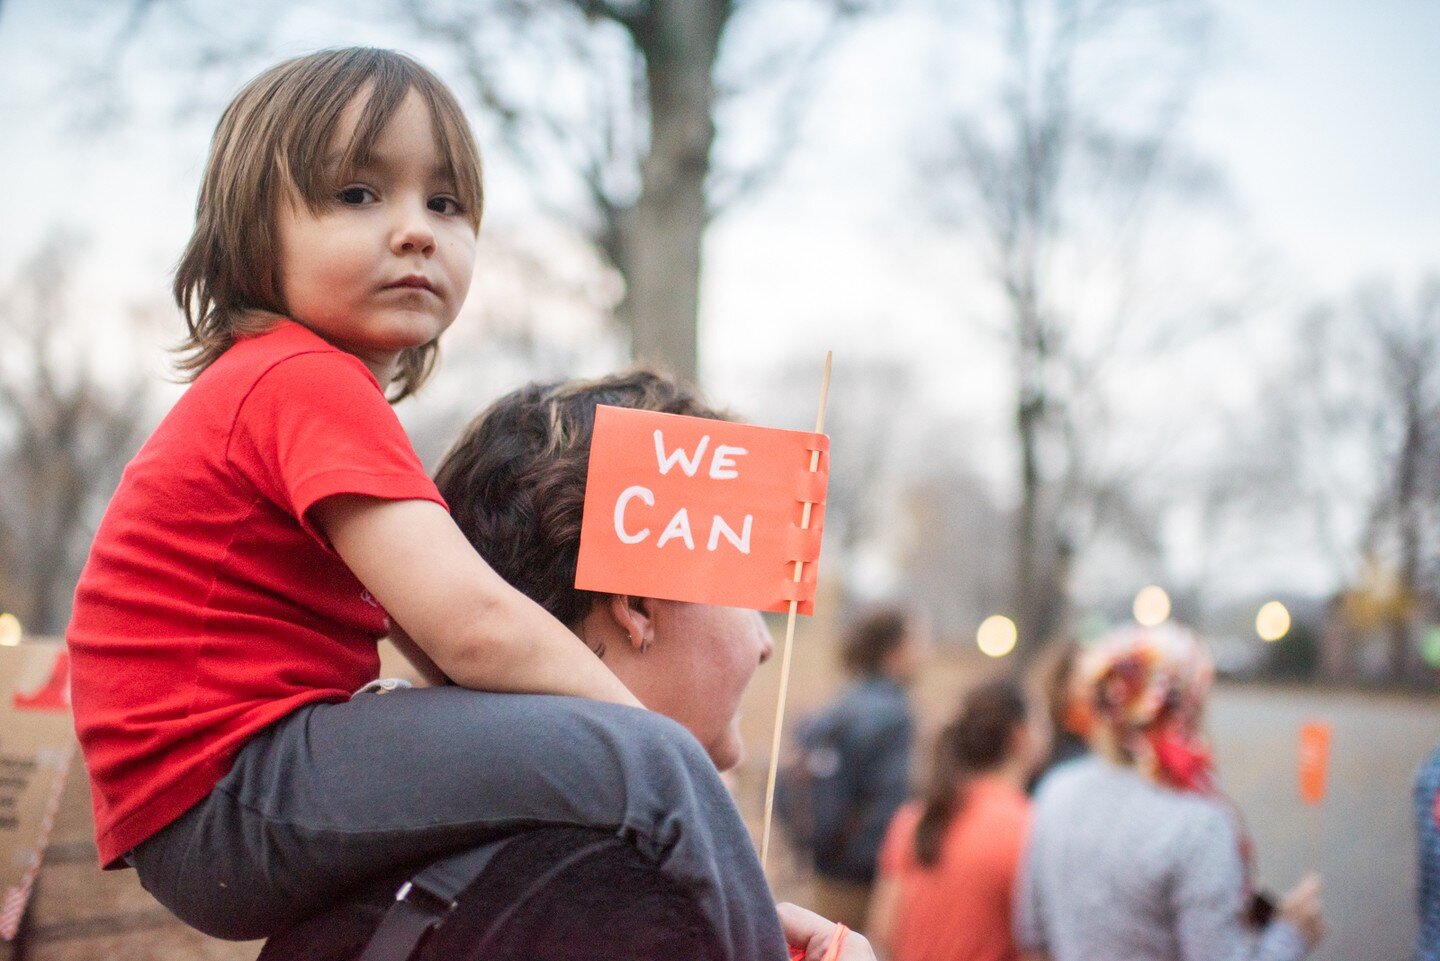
1273	622
1152	606
996	636
10	631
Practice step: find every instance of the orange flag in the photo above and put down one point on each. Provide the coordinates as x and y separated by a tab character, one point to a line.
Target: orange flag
1314	761
693	509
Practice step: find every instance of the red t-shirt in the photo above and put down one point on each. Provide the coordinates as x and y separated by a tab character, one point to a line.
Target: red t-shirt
961	909
211	606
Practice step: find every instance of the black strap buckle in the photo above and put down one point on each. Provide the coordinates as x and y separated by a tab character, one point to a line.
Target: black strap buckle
424	898
415	913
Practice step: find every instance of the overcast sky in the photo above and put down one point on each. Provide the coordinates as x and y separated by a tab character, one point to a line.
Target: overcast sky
1321	114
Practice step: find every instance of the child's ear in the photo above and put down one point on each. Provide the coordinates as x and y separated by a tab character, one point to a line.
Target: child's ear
635	617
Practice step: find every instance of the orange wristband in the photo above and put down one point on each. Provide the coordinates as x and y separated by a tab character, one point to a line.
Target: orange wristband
832	953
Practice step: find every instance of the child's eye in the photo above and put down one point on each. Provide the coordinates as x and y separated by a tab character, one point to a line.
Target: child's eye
355	196
445	205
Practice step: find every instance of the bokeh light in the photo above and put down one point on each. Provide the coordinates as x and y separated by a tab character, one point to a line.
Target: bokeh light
997	636
10	631
1430	647
1152	606
1273	621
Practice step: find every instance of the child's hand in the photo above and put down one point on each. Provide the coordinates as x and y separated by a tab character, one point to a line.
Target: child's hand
809	936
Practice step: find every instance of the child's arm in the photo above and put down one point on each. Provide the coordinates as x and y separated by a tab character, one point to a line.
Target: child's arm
417	657
479	630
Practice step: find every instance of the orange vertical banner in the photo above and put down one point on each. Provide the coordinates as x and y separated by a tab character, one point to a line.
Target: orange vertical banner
1314	761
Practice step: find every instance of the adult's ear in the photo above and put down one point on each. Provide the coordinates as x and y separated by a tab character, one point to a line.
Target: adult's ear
635	617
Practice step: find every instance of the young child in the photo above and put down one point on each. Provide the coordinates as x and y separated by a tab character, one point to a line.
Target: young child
261	542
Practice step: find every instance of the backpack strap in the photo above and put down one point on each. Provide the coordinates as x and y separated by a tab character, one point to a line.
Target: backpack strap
426	900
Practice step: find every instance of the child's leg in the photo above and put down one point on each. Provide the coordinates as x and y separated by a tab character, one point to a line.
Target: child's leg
339	794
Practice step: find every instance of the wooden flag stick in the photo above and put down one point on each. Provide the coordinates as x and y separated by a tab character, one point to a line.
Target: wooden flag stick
789	642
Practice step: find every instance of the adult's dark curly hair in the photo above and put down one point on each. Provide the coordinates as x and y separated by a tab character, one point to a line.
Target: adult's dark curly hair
515	480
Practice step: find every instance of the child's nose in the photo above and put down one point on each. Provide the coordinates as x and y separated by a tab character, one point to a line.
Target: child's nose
412	232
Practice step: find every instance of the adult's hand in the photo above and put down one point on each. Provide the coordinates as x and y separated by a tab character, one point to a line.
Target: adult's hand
1302	908
809	931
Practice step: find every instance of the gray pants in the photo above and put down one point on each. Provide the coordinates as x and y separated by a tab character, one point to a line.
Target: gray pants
337	795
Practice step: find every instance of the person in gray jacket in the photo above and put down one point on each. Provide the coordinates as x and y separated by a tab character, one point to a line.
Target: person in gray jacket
854	769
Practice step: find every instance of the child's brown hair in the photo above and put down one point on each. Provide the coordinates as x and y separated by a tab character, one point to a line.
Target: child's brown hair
269	147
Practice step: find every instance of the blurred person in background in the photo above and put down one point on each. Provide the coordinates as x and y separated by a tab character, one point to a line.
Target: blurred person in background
1067	711
1134	854
948	865
853	771
1427	829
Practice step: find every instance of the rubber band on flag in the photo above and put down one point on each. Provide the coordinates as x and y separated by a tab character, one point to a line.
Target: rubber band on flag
801	591
803	544
810	487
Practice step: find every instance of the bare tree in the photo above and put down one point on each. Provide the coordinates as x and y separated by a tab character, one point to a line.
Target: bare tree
64	434
1356	420
869	418
620	101
1061	176
956	532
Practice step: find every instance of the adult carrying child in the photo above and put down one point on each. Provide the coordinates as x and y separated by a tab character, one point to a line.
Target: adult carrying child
278	524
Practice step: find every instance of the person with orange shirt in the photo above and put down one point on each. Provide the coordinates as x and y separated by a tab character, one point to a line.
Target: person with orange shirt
948	865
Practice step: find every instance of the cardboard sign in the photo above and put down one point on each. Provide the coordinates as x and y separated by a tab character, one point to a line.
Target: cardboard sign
692	509
37	739
1314	761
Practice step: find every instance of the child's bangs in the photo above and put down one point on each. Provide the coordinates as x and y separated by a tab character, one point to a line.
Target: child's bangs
385	89
456	144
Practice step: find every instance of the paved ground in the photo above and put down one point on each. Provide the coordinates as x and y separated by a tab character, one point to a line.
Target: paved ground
1363	839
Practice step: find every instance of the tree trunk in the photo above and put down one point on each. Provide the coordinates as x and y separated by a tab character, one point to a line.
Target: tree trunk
1035	546
1028	561
662	238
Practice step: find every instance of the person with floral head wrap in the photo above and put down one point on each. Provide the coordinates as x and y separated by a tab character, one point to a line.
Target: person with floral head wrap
1148	687
1134	852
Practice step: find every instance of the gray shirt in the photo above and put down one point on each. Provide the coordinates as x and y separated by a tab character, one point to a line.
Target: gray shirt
1119	867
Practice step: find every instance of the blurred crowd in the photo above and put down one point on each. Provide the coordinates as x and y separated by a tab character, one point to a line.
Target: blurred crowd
1074	814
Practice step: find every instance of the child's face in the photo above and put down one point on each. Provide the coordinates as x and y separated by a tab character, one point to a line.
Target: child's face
389	264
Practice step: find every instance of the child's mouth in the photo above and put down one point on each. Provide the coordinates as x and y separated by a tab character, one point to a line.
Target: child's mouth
415	282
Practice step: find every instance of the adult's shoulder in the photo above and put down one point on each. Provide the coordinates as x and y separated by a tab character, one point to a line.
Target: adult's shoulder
1427	777
1096	784
1077	778
880	700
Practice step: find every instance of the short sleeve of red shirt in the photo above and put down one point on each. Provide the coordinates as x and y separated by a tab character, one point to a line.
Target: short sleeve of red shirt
316	425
